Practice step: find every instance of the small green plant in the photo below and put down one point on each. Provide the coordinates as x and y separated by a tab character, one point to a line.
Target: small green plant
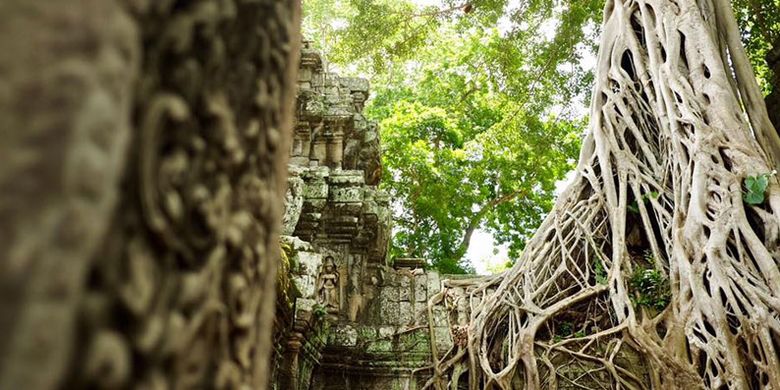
650	288
319	311
634	206
566	328
755	188
600	272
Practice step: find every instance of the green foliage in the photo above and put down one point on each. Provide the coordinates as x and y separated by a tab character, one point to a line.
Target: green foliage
650	288
495	268
755	188
319	311
759	22
480	113
284	285
481	106
634	206
600	272
565	330
456	166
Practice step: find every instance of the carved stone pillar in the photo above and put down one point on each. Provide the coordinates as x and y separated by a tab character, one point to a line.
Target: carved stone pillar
336	149
319	151
292	361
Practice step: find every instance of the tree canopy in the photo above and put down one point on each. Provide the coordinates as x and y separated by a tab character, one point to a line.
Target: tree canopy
481	114
482	105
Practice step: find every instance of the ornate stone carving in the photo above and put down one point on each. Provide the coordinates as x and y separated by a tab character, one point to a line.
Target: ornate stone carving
328	286
375	331
142	222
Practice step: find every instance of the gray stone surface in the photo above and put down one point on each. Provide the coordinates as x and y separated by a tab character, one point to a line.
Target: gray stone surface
377	331
343	336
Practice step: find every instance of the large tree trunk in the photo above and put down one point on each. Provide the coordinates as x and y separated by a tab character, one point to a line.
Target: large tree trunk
677	124
773	99
144	148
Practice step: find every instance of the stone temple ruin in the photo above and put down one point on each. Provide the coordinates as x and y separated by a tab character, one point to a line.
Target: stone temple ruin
141	218
347	320
141	246
143	175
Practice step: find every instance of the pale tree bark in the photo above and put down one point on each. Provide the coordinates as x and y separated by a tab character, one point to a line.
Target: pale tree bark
677	124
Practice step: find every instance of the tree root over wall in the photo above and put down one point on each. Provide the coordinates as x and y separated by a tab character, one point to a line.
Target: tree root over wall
652	271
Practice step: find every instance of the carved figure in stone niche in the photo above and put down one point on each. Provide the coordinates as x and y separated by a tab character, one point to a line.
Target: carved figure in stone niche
328	284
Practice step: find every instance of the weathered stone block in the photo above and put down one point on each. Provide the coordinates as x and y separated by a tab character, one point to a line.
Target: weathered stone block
346	178
406	313
315	190
297	244
308	262
312	216
294	203
346	194
304	74
421	314
405	294
314	108
354	83
366	334
405	281
386	332
415	341
305	285
305	274
380	346
389	294
303	306
443	338
420	288
343	336
390	313
390	278
439	317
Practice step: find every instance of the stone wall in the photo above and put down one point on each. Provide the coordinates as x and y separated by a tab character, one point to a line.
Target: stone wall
391	347
337	221
356	323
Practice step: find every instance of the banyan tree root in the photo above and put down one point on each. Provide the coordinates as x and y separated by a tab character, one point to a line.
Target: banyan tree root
652	271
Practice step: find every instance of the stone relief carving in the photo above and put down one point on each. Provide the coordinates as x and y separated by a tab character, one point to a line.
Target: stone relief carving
328	286
334	209
177	293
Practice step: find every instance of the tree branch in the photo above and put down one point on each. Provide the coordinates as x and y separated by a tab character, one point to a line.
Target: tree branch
477	219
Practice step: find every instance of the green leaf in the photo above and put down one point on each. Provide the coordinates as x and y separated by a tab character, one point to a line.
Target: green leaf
754	198
755	189
751	184
762	182
601	273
